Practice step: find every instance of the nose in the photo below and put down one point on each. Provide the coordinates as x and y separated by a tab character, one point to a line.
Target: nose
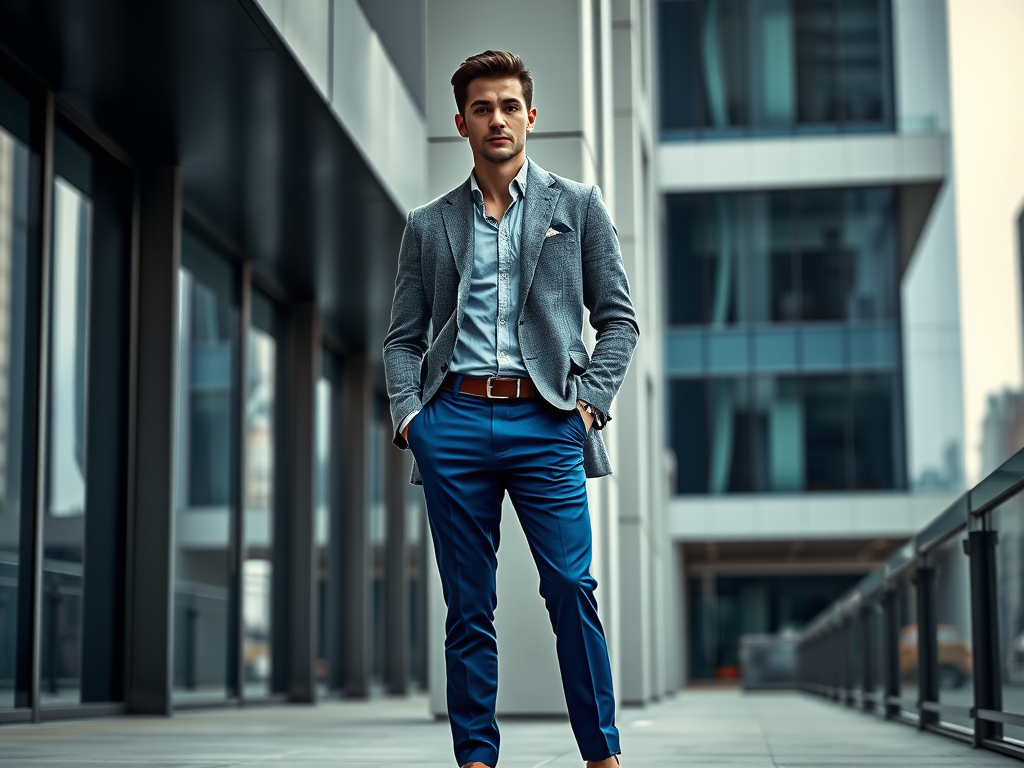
497	119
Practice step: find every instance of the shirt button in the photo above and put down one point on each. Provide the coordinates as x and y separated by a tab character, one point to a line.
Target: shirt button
501	322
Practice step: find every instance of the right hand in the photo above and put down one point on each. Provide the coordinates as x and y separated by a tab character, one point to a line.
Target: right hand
405	432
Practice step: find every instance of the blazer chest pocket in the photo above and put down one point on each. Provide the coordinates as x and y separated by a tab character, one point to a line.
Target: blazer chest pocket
579	360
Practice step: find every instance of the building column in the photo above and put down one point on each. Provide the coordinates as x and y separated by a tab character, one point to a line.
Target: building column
151	580
355	610
396	577
305	339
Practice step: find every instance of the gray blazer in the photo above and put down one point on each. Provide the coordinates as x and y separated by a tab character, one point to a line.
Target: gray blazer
579	267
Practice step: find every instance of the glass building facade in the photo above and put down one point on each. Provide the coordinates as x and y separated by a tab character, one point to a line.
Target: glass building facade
773	67
175	418
784	341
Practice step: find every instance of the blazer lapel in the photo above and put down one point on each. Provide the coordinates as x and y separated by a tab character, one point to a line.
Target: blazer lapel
458	223
541	197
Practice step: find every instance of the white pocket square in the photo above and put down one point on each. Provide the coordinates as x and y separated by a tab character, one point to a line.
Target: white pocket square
551	233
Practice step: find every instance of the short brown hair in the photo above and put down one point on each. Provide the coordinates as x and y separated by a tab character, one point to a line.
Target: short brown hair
491	64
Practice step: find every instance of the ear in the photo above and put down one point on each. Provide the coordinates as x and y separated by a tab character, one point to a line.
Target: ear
460	125
531	119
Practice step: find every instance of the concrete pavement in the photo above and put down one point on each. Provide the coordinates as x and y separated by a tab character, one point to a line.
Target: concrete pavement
713	729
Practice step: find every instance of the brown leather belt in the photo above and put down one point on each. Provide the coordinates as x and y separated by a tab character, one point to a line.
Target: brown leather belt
491	387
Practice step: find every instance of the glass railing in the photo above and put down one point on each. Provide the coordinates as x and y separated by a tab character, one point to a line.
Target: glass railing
935	636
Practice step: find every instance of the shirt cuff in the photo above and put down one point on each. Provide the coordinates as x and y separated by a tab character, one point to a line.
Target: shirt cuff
406	420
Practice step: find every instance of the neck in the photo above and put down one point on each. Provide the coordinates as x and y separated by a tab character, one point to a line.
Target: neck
494	178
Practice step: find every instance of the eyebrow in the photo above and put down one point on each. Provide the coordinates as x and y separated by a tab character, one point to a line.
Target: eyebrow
487	102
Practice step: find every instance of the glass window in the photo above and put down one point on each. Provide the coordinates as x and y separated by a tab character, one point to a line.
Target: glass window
205	468
786	433
1008	520
262	566
872	400
688	434
825	433
322	523
86	426
826	255
951	591
64	526
767	67
863	59
906	620
826	273
14	191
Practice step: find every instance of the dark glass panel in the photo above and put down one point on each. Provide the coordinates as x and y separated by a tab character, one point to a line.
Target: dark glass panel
722	250
261	567
766	283
64	531
874	435
685	264
730	431
681	100
14	281
826	266
688	434
861	59
724	50
206	459
825	433
817	76
870	242
772	88
778	434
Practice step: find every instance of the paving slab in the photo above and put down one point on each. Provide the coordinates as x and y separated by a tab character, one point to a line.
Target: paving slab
710	729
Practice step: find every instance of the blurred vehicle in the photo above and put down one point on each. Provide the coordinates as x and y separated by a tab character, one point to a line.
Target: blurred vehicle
1014	671
955	660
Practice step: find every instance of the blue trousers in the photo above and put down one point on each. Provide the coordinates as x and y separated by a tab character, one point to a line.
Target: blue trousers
470	451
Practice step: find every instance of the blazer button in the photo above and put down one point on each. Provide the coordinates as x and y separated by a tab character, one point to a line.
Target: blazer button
444	367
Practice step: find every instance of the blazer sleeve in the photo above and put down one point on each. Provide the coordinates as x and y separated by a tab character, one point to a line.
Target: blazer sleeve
406	340
606	295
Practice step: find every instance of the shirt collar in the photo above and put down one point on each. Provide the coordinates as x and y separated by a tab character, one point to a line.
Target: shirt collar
517	187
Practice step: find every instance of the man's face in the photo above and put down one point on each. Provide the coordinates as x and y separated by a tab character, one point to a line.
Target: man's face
496	120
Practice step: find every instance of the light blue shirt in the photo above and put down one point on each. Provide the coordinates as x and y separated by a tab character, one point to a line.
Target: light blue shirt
488	342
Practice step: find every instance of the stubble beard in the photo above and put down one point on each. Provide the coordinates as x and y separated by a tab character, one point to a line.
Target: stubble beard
499	155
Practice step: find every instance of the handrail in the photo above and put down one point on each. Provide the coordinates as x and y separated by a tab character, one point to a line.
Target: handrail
872	678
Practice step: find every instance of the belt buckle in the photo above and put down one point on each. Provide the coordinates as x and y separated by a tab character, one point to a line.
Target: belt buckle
491	379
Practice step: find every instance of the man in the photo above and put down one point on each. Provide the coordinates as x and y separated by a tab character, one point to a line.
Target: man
493	390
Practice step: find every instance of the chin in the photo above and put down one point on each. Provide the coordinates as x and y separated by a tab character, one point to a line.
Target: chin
500	154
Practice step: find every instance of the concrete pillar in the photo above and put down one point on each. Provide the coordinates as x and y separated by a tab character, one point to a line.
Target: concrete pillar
304	371
150	610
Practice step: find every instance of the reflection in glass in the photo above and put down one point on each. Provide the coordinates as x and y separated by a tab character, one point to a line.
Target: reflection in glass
779	257
952	595
204	462
322	525
14	157
784	434
765	67
258	568
906	620
64	526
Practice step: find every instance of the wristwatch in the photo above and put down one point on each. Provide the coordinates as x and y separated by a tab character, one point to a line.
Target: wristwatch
598	416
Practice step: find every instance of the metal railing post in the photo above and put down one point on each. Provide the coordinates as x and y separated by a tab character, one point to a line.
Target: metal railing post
927	647
867	679
988	692
890	654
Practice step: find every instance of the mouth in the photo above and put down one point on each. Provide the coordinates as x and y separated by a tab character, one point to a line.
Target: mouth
500	138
